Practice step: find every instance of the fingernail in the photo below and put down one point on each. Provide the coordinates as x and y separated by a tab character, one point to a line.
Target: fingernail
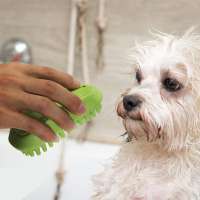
81	108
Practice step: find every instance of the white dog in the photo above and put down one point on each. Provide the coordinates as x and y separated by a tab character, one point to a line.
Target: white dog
161	114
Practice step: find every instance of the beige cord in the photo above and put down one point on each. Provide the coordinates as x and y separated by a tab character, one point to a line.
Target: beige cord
72	37
60	173
77	19
82	8
101	24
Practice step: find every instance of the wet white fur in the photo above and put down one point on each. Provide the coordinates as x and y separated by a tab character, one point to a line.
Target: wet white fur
165	167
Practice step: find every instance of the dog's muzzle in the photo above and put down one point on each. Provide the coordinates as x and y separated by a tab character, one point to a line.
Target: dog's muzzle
130	107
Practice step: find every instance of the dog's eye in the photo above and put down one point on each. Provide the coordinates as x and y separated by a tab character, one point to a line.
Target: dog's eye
172	85
138	76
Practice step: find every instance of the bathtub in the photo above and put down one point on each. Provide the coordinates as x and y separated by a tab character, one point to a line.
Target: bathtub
27	178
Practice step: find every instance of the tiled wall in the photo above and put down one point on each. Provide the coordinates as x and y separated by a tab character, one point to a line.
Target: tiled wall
44	24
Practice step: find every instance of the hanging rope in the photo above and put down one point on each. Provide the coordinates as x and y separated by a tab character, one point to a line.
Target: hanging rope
72	37
101	24
60	173
77	22
82	8
82	11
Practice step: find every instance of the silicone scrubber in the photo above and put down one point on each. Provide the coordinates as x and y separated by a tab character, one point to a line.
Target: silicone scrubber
30	144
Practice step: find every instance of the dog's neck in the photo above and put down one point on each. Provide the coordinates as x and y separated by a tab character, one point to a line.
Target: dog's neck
157	146
187	144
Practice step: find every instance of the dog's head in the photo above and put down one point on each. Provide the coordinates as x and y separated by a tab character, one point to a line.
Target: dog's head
162	104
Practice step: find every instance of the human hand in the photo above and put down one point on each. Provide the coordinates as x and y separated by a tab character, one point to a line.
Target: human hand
26	87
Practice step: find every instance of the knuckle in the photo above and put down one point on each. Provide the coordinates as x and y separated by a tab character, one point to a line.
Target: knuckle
59	116
44	105
48	71
65	121
49	87
35	127
64	117
75	103
31	126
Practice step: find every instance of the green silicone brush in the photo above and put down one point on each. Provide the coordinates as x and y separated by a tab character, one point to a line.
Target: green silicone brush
30	144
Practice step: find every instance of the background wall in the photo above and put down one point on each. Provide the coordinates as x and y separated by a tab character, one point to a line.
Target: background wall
44	25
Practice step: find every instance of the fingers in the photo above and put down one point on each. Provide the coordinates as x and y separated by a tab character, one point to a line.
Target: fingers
33	126
55	92
41	95
13	119
62	78
48	108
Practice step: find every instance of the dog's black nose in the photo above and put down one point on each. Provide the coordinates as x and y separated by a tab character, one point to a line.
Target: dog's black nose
130	102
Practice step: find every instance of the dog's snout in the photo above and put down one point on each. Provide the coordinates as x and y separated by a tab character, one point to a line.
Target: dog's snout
131	102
